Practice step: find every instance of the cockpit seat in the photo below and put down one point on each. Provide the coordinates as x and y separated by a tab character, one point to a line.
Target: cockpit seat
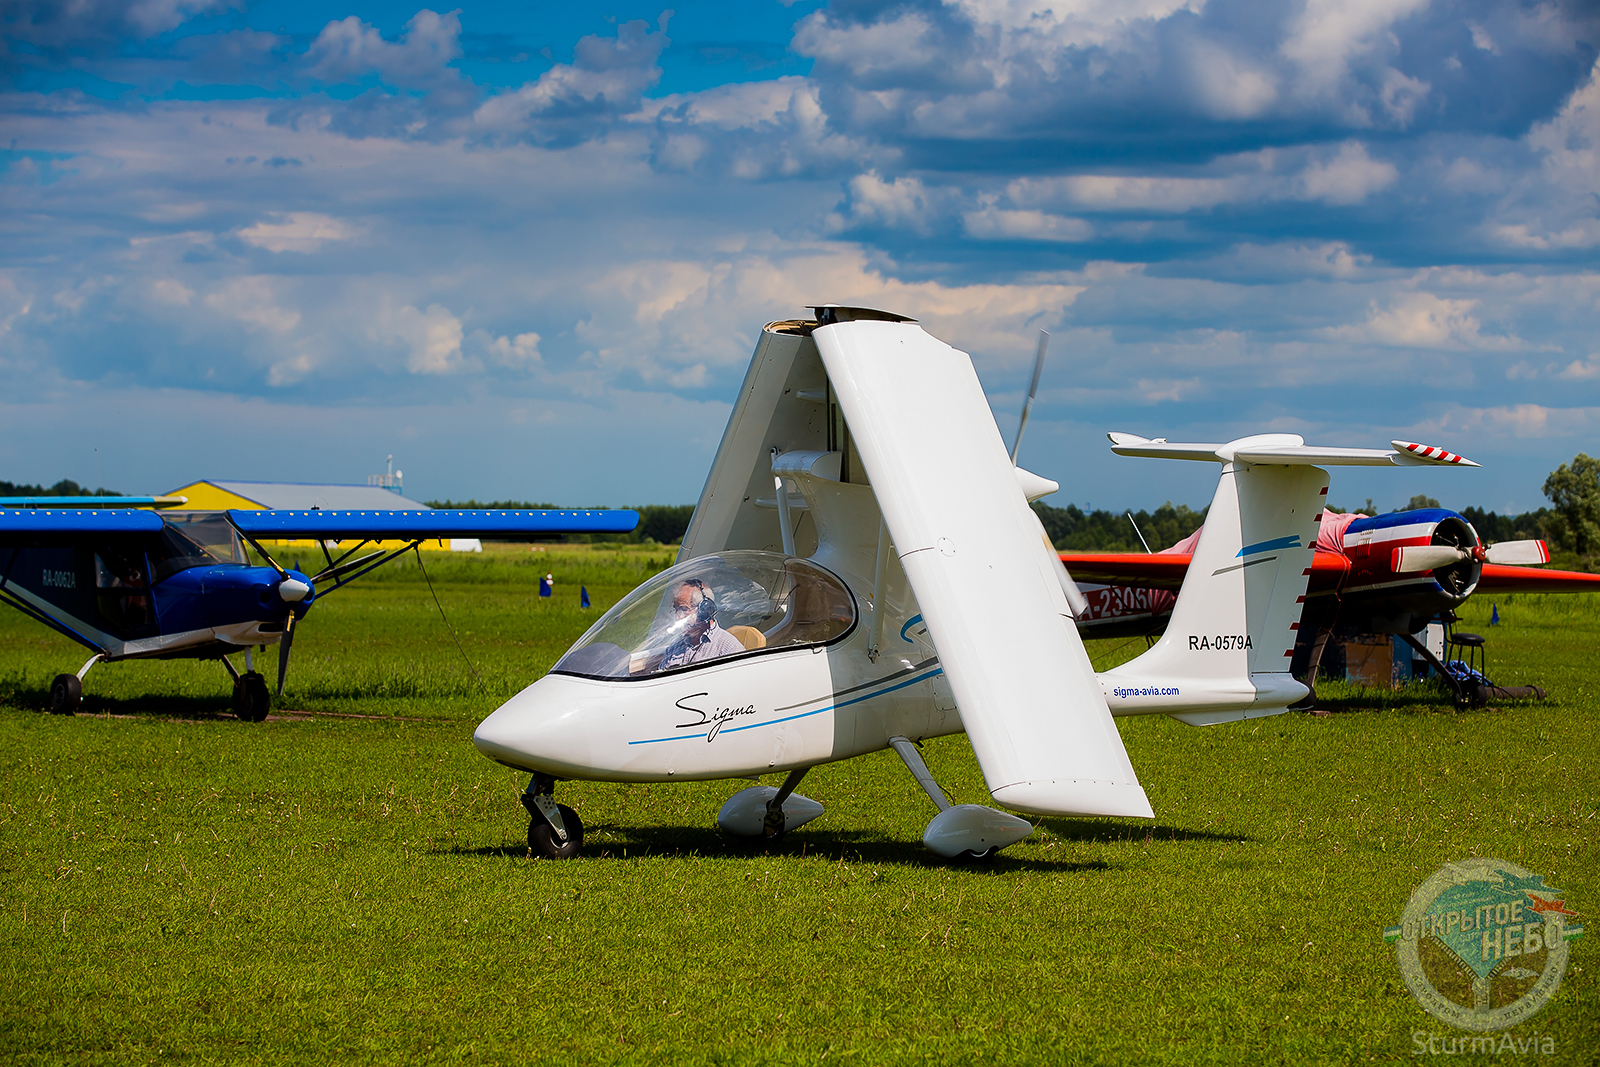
748	636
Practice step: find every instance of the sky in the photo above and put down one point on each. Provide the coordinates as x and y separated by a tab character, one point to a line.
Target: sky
528	248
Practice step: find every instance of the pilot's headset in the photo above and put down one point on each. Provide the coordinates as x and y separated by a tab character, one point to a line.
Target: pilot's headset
706	610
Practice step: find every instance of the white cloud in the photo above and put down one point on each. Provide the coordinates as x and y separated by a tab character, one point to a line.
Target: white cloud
1114	192
1349	177
349	48
607	79
1230	86
997	224
902	202
1585	233
1331	259
171	291
13	302
1518	421
432	338
520	352
1423	320
254	299
1067	23
1328	34
158	16
298	231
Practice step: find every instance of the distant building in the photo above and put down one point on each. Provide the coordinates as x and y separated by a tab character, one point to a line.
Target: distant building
215	495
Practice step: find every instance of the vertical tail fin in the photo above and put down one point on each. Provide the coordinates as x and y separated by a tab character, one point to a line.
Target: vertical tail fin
1225	654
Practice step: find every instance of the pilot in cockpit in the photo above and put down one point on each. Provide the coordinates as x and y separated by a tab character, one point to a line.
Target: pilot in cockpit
703	639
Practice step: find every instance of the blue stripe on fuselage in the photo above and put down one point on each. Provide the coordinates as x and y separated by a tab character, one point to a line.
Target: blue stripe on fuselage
803	715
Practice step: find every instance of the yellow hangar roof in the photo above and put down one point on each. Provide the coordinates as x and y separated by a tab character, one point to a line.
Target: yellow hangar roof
213	495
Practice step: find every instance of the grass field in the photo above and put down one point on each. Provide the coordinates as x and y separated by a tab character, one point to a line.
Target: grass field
179	886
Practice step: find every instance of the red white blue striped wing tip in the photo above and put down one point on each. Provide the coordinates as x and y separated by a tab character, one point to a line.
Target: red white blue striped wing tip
1432	454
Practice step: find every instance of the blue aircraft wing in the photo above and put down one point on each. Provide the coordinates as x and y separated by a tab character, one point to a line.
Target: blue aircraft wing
426	525
26	524
92	501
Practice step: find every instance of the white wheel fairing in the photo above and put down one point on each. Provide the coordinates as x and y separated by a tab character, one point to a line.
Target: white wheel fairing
745	813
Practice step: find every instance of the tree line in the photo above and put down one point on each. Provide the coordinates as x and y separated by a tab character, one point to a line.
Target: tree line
65	487
1571	524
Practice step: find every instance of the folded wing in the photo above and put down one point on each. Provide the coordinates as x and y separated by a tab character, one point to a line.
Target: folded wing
983	579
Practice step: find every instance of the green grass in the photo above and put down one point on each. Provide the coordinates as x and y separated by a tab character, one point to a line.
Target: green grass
178	886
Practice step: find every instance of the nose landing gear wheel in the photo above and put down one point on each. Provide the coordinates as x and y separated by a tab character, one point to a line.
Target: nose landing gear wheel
545	844
251	697
66	694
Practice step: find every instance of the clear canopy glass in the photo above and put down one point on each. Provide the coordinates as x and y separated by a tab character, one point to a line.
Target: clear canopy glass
193	539
763	602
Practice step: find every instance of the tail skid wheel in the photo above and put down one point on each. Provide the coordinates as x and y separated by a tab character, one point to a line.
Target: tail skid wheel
66	694
544	843
251	697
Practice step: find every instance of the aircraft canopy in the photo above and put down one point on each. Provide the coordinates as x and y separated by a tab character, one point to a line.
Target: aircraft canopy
764	601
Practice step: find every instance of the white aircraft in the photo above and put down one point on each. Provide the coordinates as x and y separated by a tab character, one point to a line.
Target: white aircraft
901	578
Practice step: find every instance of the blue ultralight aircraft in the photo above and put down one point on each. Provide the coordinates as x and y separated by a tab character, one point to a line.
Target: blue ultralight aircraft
129	583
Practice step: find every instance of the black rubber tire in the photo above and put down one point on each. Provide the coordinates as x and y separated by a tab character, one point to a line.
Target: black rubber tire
251	698
545	844
66	694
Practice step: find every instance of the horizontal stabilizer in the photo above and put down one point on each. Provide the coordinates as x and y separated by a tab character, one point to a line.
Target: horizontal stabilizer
425	525
61	522
983	576
1287	449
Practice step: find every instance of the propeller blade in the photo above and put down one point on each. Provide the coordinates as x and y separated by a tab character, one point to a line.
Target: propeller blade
1519	553
1414	558
1033	390
284	644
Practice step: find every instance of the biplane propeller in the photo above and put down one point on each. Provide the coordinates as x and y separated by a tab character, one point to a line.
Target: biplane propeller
863	571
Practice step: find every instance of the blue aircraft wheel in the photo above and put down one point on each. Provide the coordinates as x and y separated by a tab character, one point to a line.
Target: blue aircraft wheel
545	844
251	698
66	694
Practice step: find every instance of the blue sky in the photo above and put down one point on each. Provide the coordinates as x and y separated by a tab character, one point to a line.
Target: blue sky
527	248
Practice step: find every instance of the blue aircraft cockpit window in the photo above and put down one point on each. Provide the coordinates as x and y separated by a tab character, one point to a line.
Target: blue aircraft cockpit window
212	531
198	539
708	609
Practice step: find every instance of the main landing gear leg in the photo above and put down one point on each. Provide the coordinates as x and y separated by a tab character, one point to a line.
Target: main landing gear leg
251	697
555	832
66	690
774	824
960	831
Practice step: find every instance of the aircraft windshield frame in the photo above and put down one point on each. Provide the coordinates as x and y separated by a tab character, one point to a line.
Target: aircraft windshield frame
765	603
188	540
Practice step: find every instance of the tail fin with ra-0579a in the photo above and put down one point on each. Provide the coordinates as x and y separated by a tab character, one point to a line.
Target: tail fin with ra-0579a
1226	651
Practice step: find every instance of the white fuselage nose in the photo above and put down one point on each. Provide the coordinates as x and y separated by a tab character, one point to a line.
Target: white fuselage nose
751	715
